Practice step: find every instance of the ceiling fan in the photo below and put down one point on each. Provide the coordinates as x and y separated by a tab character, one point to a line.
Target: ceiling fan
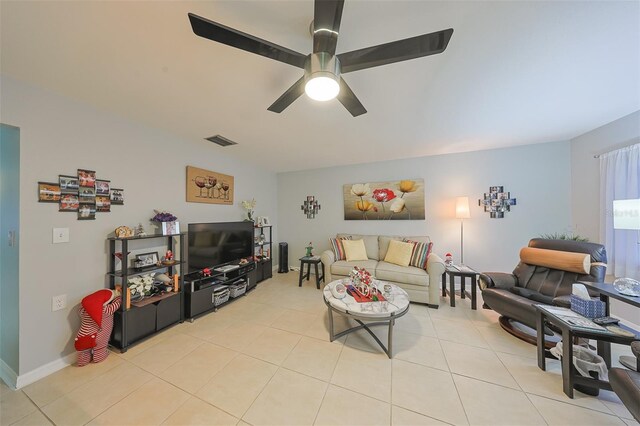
322	79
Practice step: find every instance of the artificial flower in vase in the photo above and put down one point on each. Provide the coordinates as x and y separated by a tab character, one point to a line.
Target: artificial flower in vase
170	224
249	206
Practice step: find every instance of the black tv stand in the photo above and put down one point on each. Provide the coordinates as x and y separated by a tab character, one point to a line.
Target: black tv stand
200	291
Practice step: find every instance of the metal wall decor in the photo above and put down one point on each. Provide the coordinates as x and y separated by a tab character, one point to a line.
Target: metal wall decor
82	193
310	207
496	202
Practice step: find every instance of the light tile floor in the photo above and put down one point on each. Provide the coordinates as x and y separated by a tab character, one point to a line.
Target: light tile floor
266	359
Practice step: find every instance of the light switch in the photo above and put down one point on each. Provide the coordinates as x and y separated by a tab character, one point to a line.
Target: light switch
60	235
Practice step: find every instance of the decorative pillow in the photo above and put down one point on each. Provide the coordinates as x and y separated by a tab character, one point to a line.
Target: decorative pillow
338	249
354	250
399	253
420	254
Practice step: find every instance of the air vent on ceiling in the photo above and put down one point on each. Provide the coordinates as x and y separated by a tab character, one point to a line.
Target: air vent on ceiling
221	140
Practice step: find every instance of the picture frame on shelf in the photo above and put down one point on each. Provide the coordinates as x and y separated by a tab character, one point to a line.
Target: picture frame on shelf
144	260
48	192
170	228
264	221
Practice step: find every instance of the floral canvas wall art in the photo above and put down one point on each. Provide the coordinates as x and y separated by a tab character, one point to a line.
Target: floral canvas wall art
391	200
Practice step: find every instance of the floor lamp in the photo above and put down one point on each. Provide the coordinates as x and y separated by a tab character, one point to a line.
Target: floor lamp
462	213
626	215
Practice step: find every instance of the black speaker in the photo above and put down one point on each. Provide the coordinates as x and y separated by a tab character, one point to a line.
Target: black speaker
283	258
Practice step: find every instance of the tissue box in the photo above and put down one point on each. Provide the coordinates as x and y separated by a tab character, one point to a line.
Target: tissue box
594	308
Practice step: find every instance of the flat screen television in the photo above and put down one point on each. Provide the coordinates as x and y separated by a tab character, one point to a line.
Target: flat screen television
214	244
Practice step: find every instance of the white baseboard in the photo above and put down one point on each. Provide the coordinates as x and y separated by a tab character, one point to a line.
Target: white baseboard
43	371
8	375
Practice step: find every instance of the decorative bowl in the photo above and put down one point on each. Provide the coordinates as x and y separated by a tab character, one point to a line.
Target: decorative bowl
627	286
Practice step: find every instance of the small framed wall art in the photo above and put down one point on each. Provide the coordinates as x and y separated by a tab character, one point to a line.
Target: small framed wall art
68	184
69	202
87	178
48	192
117	196
87	212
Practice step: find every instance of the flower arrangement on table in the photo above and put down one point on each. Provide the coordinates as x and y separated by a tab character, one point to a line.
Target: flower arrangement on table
361	280
168	222
162	216
141	286
249	206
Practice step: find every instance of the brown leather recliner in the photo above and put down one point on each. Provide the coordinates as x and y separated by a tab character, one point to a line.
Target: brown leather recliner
626	384
514	295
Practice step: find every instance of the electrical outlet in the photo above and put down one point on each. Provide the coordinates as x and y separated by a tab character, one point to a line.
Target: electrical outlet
60	235
58	302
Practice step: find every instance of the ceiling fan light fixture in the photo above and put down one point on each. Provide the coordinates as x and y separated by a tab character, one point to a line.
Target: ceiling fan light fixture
322	75
322	86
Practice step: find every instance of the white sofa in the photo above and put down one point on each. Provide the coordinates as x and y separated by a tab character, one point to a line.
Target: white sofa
421	285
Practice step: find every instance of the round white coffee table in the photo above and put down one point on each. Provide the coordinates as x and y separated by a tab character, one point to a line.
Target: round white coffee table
376	313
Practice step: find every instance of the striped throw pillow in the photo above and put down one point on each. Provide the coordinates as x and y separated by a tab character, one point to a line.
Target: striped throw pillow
338	248
420	254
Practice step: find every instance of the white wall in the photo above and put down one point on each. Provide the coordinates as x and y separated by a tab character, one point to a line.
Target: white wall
585	184
59	135
538	176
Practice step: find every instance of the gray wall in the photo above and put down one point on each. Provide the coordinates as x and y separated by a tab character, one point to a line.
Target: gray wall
538	176
59	135
585	183
9	256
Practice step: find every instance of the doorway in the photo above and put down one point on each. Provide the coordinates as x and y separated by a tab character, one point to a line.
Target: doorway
9	252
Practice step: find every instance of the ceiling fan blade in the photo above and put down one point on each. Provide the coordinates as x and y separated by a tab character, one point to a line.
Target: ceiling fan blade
205	28
288	97
327	15
396	51
349	99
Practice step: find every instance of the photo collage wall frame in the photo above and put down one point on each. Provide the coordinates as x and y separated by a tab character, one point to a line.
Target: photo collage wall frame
496	202
82	194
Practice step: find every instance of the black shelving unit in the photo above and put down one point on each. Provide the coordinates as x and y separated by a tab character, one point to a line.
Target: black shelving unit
152	314
263	250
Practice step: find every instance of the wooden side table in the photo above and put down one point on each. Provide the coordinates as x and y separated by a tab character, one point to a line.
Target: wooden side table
604	338
463	272
315	261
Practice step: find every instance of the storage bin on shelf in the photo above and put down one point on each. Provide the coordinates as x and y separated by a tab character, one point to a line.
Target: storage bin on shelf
237	290
220	296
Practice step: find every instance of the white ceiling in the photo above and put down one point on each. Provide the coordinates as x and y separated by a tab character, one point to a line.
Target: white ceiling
514	73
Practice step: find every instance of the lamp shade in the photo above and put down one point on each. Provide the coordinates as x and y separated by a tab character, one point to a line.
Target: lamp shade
626	214
462	208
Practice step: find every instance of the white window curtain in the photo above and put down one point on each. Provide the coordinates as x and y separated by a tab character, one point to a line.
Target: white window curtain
620	180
